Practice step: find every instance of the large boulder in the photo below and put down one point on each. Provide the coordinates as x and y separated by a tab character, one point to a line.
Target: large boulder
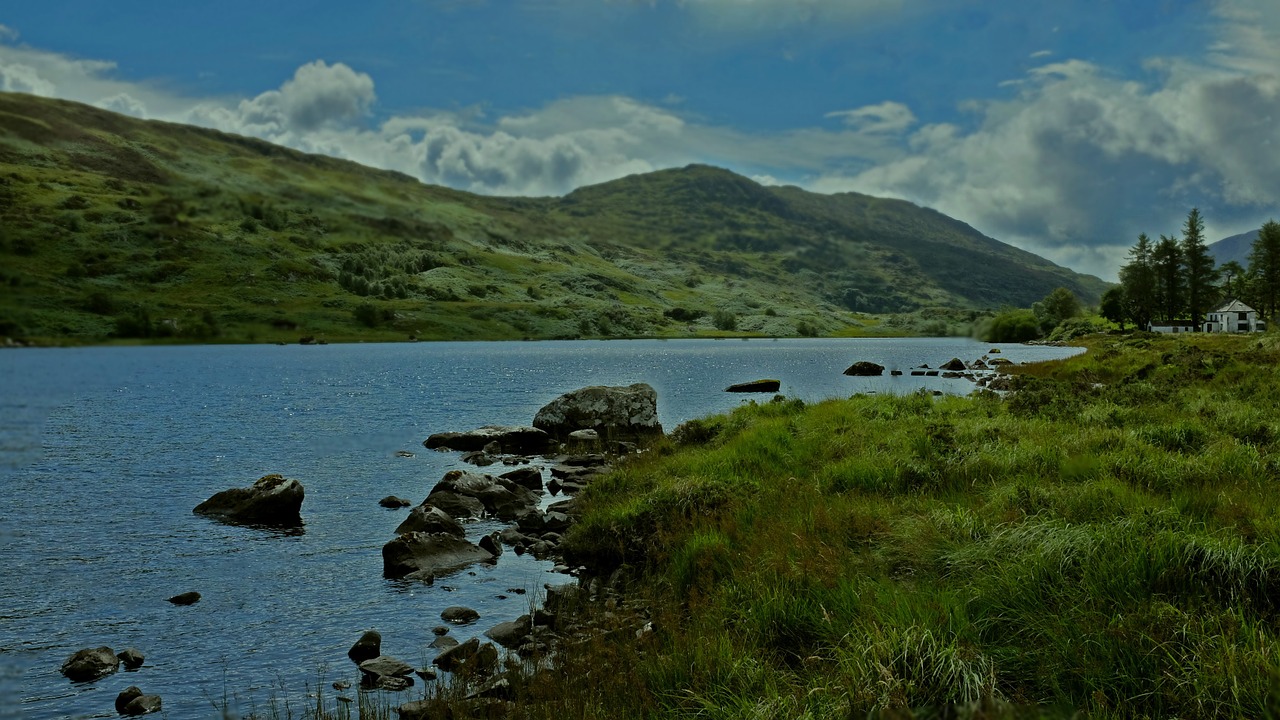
273	500
90	664
424	555
511	634
863	368
511	440
616	413
497	496
368	647
430	519
954	365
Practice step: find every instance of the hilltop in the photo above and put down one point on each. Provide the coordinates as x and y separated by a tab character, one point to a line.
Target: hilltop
112	226
1236	247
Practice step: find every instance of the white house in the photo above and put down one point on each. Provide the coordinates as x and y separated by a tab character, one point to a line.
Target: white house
1171	326
1233	316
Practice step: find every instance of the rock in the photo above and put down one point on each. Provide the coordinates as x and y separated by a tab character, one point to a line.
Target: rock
423	555
931	373
511	634
403	454
999	362
454	657
426	673
616	413
186	598
443	642
583	439
496	495
952	375
755	386
953	364
863	368
416	710
132	658
393	502
382	671
479	458
459	615
90	664
979	365
430	519
512	440
491	543
993	351
917	373
273	500
440	630
133	702
525	477
895	373
498	687
368	647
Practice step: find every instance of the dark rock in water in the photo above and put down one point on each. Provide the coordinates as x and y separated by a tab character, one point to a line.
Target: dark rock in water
133	702
496	495
616	413
440	630
403	454
368	647
132	658
90	664
479	458
952	375
511	634
895	373
454	657
755	386
430	519
459	615
426	673
423	555
491	543
511	440
393	502
186	598
931	373
953	364
863	368
525	477
917	373
444	642
273	500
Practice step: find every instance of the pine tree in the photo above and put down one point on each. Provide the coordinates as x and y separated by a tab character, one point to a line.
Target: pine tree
1198	273
1137	278
1264	268
1166	262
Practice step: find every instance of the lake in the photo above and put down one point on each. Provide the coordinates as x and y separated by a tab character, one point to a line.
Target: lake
105	451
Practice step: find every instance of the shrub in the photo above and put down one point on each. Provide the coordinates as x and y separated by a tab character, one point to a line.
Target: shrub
725	320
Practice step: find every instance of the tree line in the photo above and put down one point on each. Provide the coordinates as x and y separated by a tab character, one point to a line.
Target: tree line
1177	279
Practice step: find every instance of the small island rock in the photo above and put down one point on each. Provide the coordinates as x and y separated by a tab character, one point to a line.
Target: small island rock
132	658
459	615
616	413
954	364
186	598
133	702
392	502
273	500
755	386
423	555
368	647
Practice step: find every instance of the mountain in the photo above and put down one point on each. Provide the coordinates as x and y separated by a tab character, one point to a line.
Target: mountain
1236	247
113	226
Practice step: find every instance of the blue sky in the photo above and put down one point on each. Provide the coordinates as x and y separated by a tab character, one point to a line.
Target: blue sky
1065	128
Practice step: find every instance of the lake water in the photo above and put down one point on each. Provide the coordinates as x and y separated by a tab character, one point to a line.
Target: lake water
105	451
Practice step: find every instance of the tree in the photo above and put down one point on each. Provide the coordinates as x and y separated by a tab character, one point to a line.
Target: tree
1234	276
1166	265
1057	306
1139	282
1264	267
1199	276
1112	306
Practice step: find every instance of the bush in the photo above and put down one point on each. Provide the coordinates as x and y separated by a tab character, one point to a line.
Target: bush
1010	326
725	320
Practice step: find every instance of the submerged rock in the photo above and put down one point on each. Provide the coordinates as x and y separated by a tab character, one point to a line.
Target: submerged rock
273	500
505	439
186	598
90	664
755	386
392	502
132	701
616	413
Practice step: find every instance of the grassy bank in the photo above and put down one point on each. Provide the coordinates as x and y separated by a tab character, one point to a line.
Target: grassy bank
1104	540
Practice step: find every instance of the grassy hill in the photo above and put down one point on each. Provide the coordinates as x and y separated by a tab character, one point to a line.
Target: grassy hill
113	227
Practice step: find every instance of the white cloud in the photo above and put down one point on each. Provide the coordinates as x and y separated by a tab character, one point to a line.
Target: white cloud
1041	54
8	34
886	117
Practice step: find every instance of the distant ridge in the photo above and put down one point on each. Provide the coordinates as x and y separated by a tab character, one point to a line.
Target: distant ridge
114	226
1236	247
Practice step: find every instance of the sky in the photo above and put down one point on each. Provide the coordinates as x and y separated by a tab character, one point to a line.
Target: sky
1065	127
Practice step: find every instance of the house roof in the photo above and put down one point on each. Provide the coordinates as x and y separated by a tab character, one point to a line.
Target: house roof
1232	306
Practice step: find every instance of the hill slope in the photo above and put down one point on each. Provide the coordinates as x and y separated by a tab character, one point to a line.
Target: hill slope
112	226
1236	247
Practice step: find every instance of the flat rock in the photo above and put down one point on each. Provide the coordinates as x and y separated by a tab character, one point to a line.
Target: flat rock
511	634
509	439
459	615
526	477
424	555
393	502
755	386
273	500
186	598
497	495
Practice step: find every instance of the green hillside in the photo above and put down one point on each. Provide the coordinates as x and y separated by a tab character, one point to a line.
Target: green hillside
113	227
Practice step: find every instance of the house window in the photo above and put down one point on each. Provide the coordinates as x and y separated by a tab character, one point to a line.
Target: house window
1242	316
1243	327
